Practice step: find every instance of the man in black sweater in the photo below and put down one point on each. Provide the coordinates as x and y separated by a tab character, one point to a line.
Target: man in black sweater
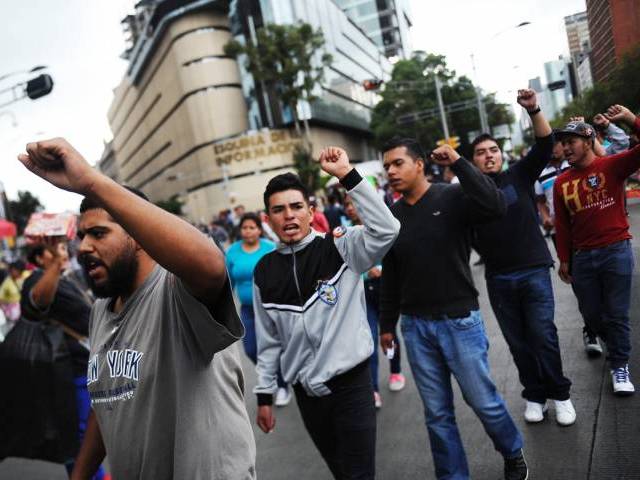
427	281
517	263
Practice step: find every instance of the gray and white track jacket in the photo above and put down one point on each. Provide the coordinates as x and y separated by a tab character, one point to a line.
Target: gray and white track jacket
309	303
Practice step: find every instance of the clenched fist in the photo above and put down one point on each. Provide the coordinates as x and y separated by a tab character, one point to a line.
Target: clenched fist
600	121
445	155
60	164
620	113
527	99
335	161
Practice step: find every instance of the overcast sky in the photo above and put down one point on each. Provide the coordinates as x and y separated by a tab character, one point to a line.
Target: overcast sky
81	40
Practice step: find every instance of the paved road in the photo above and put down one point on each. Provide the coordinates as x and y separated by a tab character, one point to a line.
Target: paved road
602	445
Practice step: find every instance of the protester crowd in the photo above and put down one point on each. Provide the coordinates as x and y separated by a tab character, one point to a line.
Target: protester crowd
311	286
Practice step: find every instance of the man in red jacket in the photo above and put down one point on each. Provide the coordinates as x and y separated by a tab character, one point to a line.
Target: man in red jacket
593	239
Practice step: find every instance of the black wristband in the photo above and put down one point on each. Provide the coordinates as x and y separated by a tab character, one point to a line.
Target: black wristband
351	179
264	399
534	112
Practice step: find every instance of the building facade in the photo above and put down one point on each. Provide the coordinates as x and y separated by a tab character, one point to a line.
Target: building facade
190	121
577	27
614	28
386	22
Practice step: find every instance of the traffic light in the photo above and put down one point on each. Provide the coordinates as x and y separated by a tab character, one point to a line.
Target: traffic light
39	86
372	84
453	141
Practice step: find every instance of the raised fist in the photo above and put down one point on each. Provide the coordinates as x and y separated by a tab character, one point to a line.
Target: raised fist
60	164
335	161
445	155
527	99
600	121
620	113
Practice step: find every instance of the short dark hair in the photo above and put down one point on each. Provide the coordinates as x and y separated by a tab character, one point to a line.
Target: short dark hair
17	265
90	204
34	252
483	137
253	217
414	149
282	182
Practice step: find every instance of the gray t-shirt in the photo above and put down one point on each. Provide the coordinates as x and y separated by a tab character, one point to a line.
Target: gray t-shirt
168	408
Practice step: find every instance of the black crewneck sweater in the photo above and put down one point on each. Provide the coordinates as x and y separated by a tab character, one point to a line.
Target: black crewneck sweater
426	272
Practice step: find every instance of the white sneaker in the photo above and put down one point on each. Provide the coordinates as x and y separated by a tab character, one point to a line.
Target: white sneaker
377	400
283	397
565	413
621	380
534	412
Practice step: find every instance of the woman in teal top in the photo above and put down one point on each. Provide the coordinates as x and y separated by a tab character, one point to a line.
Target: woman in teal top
242	257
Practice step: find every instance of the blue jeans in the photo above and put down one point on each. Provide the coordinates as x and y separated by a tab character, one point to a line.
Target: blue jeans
83	404
523	304
436	349
249	341
602	284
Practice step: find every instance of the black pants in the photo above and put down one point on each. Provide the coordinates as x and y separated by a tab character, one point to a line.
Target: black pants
342	424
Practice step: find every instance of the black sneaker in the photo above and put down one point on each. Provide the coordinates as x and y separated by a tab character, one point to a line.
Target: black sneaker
516	468
591	344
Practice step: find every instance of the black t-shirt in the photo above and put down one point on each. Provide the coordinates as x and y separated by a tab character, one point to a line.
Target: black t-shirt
515	242
70	307
426	272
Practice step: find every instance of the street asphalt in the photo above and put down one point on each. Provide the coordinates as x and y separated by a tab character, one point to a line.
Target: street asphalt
604	443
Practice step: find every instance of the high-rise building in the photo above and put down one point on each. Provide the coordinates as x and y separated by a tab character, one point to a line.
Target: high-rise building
386	22
577	27
614	28
189	120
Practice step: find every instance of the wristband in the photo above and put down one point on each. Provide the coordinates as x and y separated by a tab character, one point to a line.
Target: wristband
533	112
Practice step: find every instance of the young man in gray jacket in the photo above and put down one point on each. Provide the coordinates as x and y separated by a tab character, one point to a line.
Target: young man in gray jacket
311	320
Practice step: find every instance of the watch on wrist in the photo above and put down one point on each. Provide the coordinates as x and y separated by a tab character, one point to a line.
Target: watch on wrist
534	111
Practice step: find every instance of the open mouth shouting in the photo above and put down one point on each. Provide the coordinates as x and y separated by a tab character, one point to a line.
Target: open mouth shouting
291	229
93	267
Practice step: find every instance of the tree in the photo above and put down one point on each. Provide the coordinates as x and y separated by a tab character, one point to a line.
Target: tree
622	87
172	205
308	169
283	59
20	210
398	103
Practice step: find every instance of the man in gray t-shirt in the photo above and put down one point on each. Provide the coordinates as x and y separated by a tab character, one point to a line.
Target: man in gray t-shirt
164	377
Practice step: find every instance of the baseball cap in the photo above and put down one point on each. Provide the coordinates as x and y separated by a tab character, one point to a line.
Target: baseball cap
580	129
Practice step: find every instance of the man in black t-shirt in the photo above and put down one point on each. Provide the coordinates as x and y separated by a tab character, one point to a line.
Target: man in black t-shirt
50	294
517	263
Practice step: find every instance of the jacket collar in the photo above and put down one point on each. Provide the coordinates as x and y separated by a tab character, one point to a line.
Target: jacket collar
287	248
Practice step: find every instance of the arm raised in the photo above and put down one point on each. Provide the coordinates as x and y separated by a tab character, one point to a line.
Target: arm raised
173	243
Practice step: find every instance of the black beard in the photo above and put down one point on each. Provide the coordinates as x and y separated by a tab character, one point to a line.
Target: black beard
121	276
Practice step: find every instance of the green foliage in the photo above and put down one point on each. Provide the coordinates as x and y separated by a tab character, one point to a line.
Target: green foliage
172	205
283	58
308	169
622	87
422	68
22	209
